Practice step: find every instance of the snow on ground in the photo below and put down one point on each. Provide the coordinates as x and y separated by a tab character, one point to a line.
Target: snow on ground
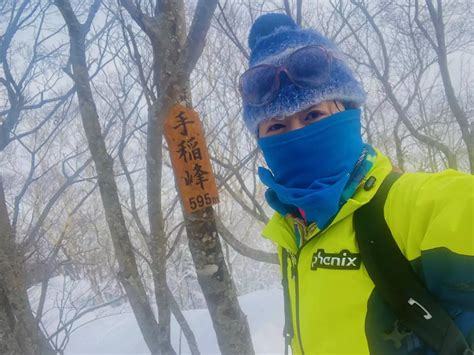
119	334
113	330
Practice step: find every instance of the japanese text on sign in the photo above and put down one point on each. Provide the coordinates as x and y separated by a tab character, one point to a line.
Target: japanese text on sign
190	159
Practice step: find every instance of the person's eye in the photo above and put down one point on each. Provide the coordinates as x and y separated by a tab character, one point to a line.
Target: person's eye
314	116
275	127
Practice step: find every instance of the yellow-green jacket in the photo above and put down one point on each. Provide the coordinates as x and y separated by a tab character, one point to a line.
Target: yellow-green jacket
333	304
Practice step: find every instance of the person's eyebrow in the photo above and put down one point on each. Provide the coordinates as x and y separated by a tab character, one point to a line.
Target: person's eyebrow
276	119
312	108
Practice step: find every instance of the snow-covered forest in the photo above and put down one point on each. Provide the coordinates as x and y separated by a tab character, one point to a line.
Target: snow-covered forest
92	230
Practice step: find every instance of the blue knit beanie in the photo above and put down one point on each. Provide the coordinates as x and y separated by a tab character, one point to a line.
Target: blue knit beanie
275	36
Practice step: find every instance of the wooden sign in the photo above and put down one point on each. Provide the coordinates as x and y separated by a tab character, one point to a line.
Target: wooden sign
190	159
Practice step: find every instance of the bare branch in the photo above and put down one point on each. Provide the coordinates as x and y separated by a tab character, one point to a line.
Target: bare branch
90	17
229	31
286	3
135	13
197	33
243	249
299	12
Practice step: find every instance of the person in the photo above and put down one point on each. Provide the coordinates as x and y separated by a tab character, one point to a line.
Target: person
302	103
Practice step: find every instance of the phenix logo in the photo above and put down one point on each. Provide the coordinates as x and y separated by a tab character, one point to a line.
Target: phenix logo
342	260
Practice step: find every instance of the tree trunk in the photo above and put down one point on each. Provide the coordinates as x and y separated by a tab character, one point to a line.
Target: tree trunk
19	333
157	242
174	57
436	16
230	323
128	270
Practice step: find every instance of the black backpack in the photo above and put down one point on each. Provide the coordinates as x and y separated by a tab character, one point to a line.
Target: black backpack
400	287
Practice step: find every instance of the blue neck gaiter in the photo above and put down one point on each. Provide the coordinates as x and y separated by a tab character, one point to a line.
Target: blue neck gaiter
312	165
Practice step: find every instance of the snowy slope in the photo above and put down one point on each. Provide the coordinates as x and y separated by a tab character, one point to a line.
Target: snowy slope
119	333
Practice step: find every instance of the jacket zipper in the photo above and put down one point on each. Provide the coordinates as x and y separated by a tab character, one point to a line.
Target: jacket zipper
294	274
297	306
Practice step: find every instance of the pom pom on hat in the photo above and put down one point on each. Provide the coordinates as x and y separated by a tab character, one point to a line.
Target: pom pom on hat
265	25
273	37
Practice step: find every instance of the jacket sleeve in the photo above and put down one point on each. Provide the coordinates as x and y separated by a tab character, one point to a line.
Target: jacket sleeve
431	217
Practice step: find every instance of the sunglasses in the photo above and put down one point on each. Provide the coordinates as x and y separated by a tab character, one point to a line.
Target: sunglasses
307	67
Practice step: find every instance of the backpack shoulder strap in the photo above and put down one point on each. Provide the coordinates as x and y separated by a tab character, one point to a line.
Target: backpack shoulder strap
397	283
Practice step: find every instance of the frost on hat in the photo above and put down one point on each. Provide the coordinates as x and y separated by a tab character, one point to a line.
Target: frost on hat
271	39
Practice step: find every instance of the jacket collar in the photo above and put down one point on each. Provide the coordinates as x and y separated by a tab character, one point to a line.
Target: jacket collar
280	229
